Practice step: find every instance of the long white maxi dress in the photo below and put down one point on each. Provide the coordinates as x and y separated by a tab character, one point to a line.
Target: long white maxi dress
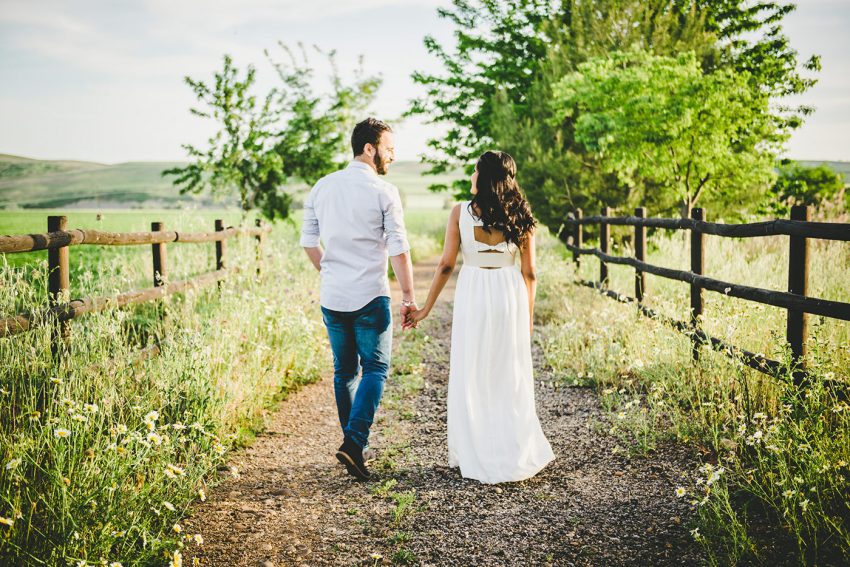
493	431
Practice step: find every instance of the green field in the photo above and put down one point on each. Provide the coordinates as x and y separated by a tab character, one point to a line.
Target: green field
27	184
129	197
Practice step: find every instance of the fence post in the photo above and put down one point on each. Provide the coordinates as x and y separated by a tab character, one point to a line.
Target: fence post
798	283
158	250
258	223
604	237
697	267
578	238
58	284
640	254
219	246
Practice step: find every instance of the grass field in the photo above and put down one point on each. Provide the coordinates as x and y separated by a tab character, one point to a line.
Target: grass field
102	454
776	470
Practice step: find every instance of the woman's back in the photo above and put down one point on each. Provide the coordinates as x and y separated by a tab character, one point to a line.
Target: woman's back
480	248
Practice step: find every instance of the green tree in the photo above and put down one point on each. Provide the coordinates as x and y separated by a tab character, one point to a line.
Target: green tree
498	46
671	134
237	156
557	174
315	127
496	81
291	133
798	184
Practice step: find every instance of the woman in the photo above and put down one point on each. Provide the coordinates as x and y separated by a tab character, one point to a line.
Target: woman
493	431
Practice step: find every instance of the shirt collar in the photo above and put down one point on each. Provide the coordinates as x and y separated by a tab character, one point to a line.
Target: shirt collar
360	165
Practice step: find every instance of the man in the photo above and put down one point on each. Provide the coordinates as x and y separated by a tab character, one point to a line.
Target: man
359	218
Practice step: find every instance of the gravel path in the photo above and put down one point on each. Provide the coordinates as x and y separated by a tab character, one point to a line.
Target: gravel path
293	504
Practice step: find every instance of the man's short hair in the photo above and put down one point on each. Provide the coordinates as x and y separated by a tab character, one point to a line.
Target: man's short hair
367	132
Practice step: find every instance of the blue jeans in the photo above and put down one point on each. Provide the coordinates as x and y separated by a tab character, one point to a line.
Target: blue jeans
360	340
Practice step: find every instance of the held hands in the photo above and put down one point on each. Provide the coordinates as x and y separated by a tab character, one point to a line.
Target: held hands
415	317
411	315
406	309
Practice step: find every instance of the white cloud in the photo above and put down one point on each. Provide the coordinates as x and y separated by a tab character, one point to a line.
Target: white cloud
38	15
218	15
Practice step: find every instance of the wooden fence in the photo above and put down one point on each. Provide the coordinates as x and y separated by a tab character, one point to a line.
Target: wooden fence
795	300
57	241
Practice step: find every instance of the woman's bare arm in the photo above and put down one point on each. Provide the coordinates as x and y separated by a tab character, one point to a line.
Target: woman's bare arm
445	267
529	274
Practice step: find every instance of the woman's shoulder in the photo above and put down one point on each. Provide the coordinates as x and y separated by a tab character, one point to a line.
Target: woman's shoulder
461	207
457	209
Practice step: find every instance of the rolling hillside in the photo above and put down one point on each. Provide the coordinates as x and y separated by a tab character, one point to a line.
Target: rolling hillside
31	183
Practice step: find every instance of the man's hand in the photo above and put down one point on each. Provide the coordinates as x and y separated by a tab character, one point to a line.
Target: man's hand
406	311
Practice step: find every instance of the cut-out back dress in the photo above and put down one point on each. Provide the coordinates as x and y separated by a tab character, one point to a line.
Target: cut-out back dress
494	434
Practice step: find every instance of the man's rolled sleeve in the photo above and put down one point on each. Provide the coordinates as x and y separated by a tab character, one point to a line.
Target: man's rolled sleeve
310	225
394	230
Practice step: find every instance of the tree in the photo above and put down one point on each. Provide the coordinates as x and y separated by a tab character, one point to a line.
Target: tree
496	82
670	133
499	44
315	127
558	175
237	155
295	133
798	184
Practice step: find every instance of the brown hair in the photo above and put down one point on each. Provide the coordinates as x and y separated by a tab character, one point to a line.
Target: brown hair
499	199
367	132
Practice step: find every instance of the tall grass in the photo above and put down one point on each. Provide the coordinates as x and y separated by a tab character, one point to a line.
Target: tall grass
100	457
776	472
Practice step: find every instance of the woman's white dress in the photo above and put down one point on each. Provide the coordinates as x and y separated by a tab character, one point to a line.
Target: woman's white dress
493	431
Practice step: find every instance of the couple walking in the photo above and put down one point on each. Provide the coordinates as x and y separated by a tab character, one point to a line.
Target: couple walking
494	434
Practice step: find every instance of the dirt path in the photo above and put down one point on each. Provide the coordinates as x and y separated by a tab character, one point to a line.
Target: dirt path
293	504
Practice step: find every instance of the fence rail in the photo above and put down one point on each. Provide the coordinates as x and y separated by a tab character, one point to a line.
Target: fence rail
778	227
57	241
795	300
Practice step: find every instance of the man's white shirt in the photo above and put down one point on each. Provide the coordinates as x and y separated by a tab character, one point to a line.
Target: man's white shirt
358	218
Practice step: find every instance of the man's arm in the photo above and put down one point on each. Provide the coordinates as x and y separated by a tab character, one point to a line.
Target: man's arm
403	270
399	251
315	254
310	233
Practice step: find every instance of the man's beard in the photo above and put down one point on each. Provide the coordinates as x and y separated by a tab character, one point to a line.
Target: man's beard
380	164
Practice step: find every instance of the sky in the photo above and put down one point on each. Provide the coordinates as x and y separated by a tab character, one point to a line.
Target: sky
102	80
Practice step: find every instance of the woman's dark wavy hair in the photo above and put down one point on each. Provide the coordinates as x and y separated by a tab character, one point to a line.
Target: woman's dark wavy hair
499	199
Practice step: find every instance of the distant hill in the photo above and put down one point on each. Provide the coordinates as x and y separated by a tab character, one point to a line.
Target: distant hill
33	183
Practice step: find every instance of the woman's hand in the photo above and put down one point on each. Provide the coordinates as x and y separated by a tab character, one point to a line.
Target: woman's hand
414	317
